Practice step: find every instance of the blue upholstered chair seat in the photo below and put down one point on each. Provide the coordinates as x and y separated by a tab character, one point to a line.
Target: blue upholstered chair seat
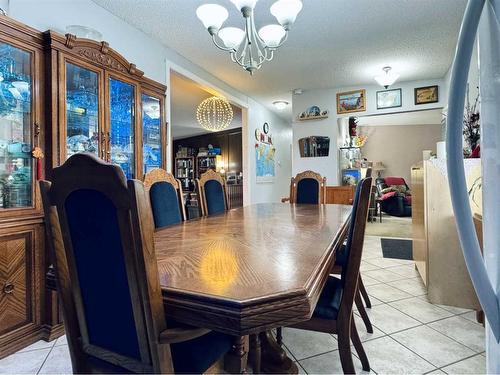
329	301
197	355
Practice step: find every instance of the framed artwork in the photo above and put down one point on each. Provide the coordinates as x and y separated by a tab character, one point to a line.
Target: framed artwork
351	101
389	99
350	177
427	94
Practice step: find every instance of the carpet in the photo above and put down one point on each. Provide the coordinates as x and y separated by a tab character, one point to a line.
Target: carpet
397	249
391	226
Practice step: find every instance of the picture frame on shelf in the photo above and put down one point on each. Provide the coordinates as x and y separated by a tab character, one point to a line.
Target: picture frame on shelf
351	101
426	95
350	176
389	99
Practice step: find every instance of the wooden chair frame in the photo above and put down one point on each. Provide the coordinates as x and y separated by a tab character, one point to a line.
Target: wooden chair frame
344	326
210	175
303	175
136	227
161	175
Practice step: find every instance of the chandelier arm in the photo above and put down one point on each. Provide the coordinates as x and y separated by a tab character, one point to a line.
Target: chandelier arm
250	33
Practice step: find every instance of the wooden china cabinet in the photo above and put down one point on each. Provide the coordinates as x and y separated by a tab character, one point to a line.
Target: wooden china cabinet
103	104
60	95
22	124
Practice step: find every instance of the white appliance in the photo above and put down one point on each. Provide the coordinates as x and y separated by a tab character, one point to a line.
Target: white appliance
482	17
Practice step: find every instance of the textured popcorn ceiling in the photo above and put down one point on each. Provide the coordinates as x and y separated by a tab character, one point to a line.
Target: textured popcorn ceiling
334	43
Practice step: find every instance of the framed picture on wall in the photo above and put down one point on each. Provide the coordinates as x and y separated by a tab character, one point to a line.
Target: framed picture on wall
351	101
389	99
427	94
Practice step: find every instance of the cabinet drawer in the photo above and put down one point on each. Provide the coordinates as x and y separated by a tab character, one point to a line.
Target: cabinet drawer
16	280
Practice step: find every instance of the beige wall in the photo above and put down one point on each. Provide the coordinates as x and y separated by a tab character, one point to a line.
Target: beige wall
399	146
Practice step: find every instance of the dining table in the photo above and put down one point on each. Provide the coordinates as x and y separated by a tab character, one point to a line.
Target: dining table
250	270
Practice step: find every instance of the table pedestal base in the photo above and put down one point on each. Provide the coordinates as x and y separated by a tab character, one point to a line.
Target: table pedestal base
273	358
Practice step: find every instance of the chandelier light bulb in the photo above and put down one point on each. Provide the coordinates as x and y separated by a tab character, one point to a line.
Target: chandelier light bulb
212	16
231	36
286	11
244	4
387	78
272	35
214	114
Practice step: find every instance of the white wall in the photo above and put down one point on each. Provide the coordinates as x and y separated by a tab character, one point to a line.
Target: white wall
156	61
326	100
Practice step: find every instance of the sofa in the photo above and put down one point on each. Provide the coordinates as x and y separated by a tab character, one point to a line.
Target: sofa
394	195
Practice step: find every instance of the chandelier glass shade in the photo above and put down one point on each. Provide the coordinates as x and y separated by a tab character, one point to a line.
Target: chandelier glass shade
214	114
387	78
249	48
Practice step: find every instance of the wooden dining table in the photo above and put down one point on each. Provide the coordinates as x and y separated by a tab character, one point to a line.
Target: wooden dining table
250	270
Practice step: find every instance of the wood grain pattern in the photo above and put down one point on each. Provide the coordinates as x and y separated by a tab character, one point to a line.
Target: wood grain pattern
339	194
251	269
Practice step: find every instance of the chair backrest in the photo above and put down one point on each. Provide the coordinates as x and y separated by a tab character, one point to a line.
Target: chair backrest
165	195
354	245
391	181
101	231
308	187
212	192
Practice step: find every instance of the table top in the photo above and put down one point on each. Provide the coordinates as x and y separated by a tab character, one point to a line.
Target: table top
266	254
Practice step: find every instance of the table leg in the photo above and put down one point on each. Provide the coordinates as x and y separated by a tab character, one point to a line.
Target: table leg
235	361
274	359
255	353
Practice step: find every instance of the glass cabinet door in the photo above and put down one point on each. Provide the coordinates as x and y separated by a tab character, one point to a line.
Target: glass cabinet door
122	120
151	133
82	110
16	172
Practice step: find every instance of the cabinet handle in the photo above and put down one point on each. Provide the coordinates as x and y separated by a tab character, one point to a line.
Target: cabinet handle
103	145
109	147
8	288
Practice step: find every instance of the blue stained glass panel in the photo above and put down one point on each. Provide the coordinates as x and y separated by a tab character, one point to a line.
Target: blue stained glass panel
122	104
16	171
151	133
82	109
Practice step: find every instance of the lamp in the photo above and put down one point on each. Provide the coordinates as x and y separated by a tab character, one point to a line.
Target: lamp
378	167
249	48
387	78
214	114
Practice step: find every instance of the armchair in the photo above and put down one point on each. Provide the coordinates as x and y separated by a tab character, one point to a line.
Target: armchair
395	196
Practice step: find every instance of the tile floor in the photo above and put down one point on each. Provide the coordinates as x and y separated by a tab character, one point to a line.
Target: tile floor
411	335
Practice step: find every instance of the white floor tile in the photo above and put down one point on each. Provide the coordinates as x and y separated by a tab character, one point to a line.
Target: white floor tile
383	275
387	293
61	341
41	344
383	262
365	266
387	356
387	319
433	346
328	363
462	330
58	362
24	363
363	334
405	270
303	344
414	286
421	310
474	365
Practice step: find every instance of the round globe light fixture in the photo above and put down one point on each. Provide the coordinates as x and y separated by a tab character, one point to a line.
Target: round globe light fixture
214	114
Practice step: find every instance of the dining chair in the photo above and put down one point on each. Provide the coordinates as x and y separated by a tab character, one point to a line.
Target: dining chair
211	188
101	231
333	312
165	196
307	187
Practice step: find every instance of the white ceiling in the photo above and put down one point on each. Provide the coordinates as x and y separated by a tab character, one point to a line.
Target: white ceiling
186	95
333	43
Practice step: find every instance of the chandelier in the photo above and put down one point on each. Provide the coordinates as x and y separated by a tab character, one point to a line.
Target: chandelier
214	114
249	48
387	78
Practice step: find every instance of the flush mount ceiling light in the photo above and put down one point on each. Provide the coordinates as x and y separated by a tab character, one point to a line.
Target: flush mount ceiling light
249	48
280	104
214	114
387	78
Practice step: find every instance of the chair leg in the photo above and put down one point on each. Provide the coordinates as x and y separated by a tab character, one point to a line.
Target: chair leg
362	312
344	343
364	293
279	336
359	347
